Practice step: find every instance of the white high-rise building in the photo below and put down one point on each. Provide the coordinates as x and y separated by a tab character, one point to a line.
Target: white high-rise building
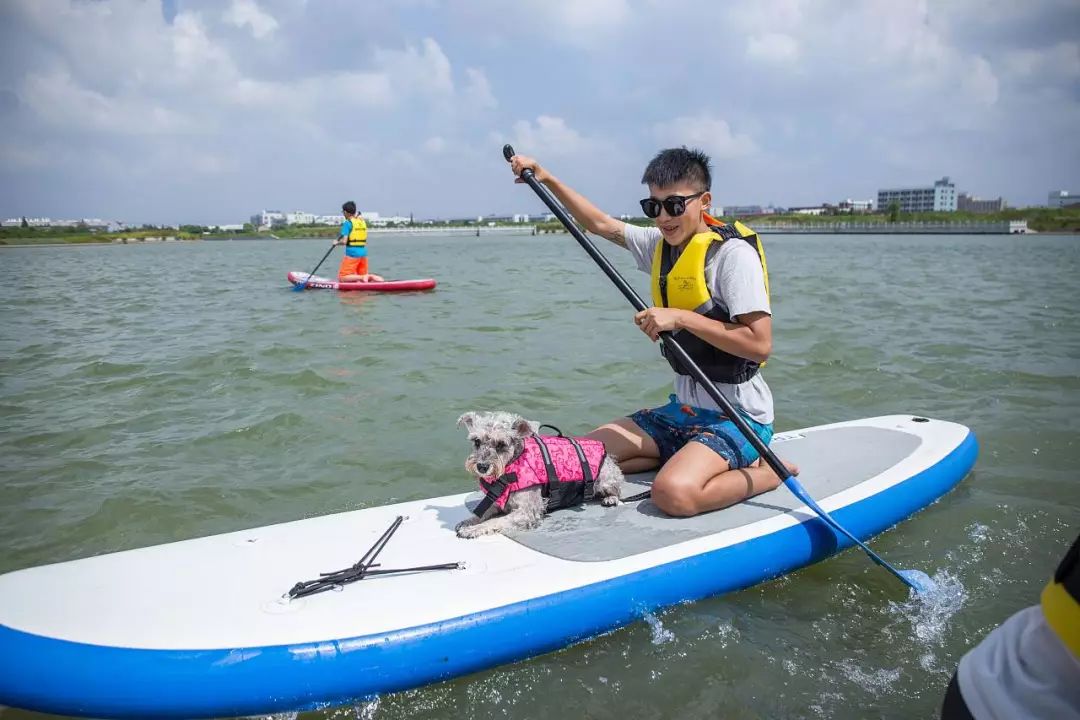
268	219
939	198
1062	198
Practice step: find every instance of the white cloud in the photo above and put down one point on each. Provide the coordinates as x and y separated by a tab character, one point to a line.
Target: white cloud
425	70
194	52
549	136
59	101
248	13
979	82
477	91
435	144
773	47
592	15
1056	63
706	132
753	15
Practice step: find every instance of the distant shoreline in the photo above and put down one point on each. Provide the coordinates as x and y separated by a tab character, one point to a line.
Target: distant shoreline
764	230
153	240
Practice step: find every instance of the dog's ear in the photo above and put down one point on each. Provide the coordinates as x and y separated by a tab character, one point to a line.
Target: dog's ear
467	420
524	428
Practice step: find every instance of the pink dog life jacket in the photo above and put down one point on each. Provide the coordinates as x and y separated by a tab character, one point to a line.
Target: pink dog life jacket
566	468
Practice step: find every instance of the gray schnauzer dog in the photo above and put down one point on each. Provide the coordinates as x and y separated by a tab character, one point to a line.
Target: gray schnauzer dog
514	466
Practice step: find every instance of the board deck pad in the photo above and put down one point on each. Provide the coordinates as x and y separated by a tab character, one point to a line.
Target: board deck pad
829	461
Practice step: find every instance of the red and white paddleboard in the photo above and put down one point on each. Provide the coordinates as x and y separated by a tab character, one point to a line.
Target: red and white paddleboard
314	282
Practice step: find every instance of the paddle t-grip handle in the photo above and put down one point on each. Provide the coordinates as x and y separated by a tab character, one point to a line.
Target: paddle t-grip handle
508	152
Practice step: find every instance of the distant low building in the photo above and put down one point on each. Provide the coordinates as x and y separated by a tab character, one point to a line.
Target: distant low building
1062	198
299	218
235	227
815	210
939	198
855	206
521	218
972	204
376	220
732	211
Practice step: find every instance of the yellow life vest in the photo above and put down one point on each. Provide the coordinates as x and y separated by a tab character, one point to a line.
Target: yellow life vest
682	284
358	235
1061	600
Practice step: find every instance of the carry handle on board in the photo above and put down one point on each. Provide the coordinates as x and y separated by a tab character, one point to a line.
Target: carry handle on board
917	580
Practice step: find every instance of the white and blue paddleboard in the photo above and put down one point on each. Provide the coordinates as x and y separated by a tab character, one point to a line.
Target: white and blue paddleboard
201	628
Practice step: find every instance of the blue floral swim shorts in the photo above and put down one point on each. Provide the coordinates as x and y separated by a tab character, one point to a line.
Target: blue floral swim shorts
673	425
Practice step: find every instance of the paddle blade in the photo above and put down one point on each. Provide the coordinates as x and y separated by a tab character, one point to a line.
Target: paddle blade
919	581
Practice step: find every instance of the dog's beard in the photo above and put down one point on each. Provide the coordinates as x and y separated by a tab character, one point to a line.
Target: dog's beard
495	468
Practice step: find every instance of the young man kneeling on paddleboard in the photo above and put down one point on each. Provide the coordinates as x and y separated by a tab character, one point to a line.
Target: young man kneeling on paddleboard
710	289
353	235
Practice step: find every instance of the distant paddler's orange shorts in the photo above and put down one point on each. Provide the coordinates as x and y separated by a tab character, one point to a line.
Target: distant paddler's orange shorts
352	266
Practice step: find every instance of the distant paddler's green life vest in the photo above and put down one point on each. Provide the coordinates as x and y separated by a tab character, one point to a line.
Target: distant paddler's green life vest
356	242
682	284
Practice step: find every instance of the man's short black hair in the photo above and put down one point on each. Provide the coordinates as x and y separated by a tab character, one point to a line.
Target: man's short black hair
676	165
349	207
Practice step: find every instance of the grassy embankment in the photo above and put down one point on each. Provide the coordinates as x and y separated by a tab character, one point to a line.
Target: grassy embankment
75	235
1065	220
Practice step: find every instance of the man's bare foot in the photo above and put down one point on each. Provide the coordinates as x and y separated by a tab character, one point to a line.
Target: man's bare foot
791	467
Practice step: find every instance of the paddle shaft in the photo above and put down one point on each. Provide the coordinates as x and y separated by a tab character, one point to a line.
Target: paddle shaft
684	360
304	285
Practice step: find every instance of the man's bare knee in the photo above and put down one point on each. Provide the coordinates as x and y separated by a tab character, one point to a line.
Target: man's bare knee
674	500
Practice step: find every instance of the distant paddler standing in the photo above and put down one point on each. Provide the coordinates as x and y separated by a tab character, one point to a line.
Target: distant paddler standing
353	235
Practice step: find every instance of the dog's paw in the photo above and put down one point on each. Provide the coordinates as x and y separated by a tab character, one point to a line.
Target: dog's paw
469	530
609	500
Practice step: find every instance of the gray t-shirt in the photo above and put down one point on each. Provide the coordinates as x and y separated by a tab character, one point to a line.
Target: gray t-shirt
737	282
1021	670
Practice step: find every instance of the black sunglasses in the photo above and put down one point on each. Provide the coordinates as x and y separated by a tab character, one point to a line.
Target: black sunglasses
674	204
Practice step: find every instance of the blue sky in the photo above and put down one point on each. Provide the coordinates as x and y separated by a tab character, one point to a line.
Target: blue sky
188	111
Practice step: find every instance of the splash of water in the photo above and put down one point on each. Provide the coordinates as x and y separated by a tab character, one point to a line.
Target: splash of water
878	681
367	710
929	613
978	533
660	634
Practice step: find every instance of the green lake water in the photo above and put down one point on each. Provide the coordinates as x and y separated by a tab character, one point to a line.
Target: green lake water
153	393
